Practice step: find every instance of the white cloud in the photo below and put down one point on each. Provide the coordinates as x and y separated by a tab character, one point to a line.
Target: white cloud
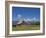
19	16
34	18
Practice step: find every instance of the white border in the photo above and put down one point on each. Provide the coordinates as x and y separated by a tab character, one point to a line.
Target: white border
30	31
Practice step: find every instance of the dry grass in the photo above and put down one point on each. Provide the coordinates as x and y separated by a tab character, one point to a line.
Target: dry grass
26	27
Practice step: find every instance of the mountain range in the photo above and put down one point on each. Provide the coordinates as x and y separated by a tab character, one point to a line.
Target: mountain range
25	21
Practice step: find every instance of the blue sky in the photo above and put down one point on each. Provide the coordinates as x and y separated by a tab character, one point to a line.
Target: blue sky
25	12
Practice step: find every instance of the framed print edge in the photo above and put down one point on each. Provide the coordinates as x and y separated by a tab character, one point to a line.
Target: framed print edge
7	19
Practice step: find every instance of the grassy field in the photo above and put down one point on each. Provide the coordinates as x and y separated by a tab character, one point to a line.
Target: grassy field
26	27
